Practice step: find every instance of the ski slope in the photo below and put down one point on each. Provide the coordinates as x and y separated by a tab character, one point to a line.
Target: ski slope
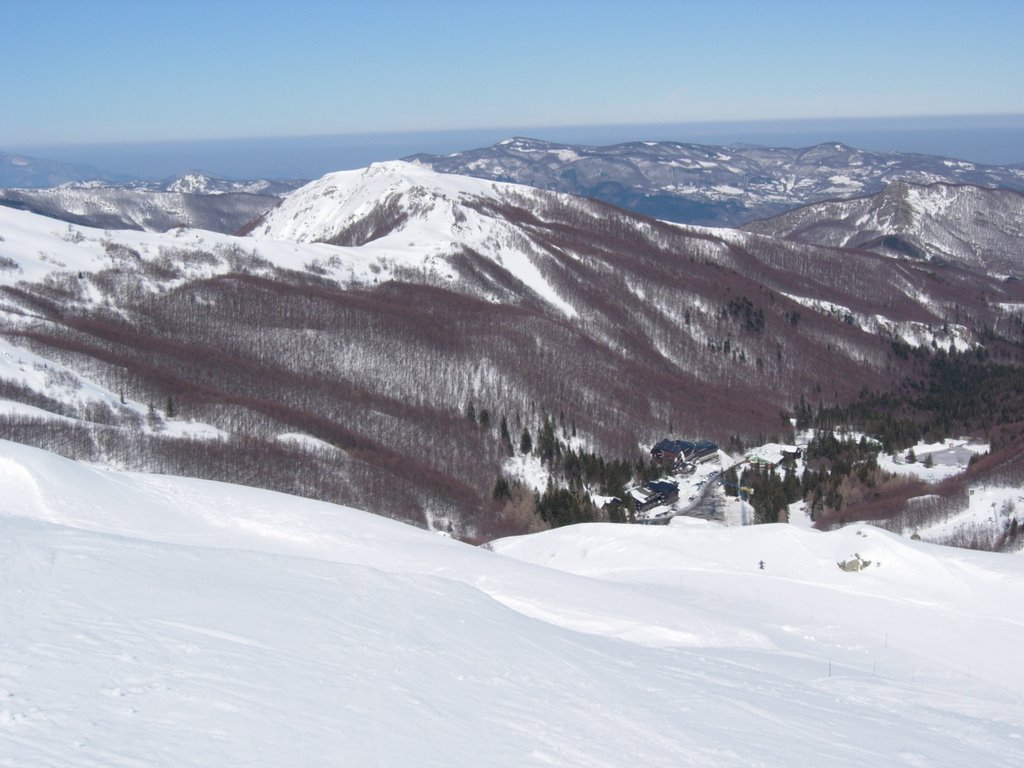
150	620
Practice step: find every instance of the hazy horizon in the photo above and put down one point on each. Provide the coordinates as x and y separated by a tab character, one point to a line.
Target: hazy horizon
153	89
987	139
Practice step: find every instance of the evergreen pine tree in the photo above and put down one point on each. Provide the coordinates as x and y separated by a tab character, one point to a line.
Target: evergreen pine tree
547	444
525	442
505	436
152	417
501	489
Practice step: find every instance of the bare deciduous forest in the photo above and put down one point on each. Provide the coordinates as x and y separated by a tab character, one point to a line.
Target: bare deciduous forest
671	331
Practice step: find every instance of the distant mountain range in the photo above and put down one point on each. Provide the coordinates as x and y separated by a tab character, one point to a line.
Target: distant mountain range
199	183
968	225
192	200
25	172
120	208
721	186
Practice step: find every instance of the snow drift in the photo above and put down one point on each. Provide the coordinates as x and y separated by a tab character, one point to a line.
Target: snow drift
151	620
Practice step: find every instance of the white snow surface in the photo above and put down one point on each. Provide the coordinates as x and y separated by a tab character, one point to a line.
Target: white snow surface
988	507
150	620
948	458
41	248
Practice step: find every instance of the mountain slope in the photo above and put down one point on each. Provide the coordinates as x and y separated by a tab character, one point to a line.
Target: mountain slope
710	185
165	620
969	225
345	371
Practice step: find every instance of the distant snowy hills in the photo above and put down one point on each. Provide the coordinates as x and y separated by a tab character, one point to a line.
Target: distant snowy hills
23	172
199	183
153	211
194	200
34	172
150	619
969	225
711	185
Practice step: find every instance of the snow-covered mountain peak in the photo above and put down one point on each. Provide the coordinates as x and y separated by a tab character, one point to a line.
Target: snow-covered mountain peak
413	218
200	183
325	210
194	183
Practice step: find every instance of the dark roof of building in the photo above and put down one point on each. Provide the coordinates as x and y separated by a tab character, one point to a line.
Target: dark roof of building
684	447
663	487
673	446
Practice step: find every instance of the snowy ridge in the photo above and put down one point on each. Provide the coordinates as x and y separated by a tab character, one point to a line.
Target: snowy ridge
318	211
968	225
151	618
199	183
39	248
428	222
195	183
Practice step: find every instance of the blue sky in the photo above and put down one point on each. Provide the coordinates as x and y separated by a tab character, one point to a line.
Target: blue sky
114	71
79	72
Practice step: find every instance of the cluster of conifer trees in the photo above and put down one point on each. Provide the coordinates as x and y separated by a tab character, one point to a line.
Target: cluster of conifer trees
575	475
